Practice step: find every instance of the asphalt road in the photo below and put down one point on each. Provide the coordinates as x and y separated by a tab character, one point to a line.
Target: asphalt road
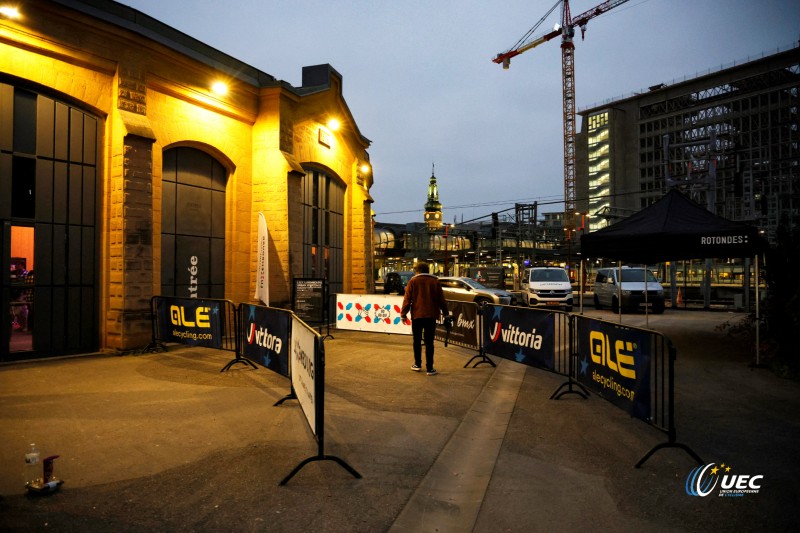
165	442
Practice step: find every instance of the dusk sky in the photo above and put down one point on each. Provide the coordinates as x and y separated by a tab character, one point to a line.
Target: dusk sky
419	80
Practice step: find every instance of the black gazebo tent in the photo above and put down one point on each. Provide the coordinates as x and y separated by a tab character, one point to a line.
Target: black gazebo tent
672	228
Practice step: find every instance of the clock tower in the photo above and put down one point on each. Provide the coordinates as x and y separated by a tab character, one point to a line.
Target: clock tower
433	209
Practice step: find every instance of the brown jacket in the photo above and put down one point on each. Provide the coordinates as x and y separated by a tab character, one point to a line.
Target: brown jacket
424	297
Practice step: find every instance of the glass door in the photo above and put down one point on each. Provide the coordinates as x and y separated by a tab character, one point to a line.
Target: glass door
21	288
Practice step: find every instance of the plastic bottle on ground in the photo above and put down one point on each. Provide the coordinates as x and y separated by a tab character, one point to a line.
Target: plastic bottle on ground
33	468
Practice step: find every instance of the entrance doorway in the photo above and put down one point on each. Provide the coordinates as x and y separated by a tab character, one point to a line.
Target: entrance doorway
192	225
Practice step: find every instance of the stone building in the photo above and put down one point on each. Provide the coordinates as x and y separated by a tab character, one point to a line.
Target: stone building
134	161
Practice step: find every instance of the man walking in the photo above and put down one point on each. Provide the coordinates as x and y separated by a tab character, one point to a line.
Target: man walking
425	299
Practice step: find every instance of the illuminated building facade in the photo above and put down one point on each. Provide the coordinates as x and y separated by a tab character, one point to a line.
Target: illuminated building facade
729	139
134	161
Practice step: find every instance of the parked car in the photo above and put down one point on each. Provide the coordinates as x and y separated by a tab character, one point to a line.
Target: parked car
632	287
396	282
547	286
469	290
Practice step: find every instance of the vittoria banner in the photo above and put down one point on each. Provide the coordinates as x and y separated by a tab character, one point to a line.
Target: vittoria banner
266	337
191	321
519	335
371	312
617	366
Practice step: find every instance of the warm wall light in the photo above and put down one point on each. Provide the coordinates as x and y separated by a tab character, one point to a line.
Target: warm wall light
10	12
220	88
334	124
365	168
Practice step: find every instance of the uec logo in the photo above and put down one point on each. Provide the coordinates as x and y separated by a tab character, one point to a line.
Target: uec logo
702	481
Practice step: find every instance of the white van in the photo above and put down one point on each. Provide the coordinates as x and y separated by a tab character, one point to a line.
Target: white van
547	286
607	294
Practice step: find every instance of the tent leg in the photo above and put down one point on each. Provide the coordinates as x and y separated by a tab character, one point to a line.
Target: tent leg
758	319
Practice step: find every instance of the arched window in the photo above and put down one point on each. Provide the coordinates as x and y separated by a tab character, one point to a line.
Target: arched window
323	229
192	225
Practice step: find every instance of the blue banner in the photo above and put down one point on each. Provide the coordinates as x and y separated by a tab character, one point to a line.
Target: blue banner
191	321
520	335
614	362
266	337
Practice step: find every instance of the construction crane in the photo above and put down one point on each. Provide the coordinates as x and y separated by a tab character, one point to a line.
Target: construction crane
567	31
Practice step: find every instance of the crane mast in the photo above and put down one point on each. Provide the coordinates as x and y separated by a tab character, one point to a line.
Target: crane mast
567	32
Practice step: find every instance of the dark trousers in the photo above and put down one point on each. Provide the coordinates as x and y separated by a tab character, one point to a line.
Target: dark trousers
423	329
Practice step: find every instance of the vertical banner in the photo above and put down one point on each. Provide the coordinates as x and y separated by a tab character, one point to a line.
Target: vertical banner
266	337
371	312
303	360
262	269
190	321
522	335
615	364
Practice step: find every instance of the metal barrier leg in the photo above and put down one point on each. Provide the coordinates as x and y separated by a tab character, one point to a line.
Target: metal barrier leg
290	396
238	360
583	393
321	457
482	359
670	444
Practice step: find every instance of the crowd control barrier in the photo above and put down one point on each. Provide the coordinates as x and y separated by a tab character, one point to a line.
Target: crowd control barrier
196	322
274	338
307	369
634	369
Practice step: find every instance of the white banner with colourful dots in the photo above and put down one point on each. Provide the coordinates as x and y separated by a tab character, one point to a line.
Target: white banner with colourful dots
371	312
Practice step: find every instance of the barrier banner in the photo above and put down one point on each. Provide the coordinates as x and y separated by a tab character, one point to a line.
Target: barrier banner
191	321
303	360
266	337
371	312
520	334
615	364
465	325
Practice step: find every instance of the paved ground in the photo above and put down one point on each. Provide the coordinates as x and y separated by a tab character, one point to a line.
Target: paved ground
165	442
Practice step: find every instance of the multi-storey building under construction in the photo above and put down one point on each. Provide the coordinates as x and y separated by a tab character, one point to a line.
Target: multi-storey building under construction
729	138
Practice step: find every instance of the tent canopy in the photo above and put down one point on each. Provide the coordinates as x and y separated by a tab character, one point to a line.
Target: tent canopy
673	228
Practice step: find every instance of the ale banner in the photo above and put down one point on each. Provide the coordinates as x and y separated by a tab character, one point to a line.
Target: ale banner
191	321
615	364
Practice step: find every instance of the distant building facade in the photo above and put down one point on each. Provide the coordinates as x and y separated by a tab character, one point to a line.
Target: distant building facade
124	175
729	139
